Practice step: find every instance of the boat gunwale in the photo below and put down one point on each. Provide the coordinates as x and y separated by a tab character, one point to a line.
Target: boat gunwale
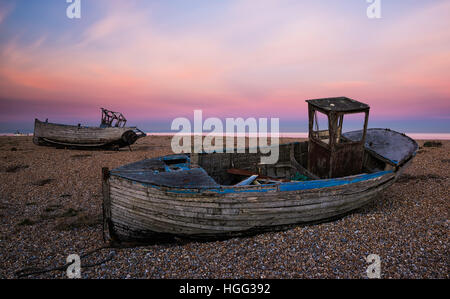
81	127
278	187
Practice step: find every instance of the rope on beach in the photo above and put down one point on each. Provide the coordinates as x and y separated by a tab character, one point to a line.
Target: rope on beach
33	271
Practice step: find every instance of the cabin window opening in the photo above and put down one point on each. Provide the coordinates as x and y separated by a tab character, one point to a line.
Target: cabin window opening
175	161
320	129
348	123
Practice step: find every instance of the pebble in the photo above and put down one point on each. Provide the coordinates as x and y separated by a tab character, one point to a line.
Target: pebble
407	226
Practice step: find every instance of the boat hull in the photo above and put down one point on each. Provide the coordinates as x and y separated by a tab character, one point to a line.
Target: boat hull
172	196
140	212
50	134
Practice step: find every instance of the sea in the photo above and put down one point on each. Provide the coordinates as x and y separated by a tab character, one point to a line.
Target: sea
417	136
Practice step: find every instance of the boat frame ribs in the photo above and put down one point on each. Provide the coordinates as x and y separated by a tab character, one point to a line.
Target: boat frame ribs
108	118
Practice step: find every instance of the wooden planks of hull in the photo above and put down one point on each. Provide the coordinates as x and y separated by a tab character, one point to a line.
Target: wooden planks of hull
78	136
145	210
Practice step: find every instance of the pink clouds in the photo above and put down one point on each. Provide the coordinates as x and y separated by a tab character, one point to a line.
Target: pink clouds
5	10
124	60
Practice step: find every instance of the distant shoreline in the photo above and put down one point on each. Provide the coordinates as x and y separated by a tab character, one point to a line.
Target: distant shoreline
416	136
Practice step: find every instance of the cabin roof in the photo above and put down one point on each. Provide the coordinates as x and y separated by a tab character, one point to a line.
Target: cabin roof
339	104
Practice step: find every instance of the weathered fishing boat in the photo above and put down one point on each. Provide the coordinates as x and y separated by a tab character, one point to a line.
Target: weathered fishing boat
226	194
112	133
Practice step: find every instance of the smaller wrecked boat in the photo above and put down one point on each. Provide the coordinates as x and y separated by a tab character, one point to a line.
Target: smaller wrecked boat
112	133
228	194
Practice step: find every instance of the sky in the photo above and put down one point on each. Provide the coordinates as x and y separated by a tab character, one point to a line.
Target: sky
155	61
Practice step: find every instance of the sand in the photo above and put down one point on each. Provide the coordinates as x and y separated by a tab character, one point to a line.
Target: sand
50	207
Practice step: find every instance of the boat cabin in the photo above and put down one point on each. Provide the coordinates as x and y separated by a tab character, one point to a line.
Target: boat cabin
112	119
330	154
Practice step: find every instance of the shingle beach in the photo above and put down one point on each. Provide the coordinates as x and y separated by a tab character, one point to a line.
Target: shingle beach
51	207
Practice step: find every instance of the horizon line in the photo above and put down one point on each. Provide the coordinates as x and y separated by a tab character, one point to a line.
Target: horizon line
416	136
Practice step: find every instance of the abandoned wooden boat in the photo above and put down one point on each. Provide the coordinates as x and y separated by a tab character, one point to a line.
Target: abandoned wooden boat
227	194
112	133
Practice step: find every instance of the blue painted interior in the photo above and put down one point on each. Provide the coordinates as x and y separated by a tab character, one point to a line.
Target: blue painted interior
178	166
282	186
